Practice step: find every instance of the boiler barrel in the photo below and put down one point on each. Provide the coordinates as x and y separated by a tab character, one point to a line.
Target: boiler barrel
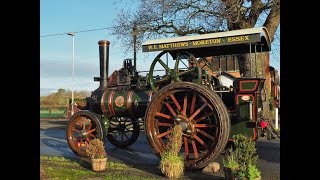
125	103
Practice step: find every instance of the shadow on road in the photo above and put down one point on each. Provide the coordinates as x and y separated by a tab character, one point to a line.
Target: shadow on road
268	151
56	147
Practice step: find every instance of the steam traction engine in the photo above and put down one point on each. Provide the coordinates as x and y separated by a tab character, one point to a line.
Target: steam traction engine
210	109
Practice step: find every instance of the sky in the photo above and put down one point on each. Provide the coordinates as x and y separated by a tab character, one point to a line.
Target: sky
60	16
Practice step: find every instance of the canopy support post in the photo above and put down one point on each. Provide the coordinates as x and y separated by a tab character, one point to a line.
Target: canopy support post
250	62
255	58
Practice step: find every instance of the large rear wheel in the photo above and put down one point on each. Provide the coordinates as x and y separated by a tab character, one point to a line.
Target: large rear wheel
202	115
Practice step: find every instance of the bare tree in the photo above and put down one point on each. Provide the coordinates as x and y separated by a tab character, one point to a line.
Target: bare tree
167	18
164	18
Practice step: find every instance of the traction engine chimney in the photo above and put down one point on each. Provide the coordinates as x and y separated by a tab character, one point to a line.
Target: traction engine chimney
104	63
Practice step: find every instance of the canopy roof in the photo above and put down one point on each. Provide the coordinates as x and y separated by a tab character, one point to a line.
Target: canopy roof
237	41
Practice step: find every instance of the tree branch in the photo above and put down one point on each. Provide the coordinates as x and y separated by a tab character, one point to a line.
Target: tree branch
273	20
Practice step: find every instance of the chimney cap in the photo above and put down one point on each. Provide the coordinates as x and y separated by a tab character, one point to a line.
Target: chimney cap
104	43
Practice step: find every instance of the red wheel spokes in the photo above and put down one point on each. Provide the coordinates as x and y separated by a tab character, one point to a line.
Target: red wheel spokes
170	109
200	141
192	115
206	134
195	151
204	117
204	125
186	148
198	111
185	103
77	141
75	130
164	134
92	130
165	124
87	140
193	102
175	102
163	115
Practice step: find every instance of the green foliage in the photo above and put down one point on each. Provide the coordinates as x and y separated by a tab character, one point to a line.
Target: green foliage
54	113
54	167
175	140
95	149
243	159
253	172
171	164
61	98
245	151
231	162
77	100
241	175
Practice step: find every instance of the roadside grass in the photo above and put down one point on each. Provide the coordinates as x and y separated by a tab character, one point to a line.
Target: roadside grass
55	113
62	168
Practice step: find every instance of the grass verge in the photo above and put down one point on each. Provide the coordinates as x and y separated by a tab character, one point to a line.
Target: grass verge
55	113
52	167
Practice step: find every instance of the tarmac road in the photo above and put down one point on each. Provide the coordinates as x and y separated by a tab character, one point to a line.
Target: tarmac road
53	143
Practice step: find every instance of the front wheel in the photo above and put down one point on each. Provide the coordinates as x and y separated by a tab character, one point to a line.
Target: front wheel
200	112
83	127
